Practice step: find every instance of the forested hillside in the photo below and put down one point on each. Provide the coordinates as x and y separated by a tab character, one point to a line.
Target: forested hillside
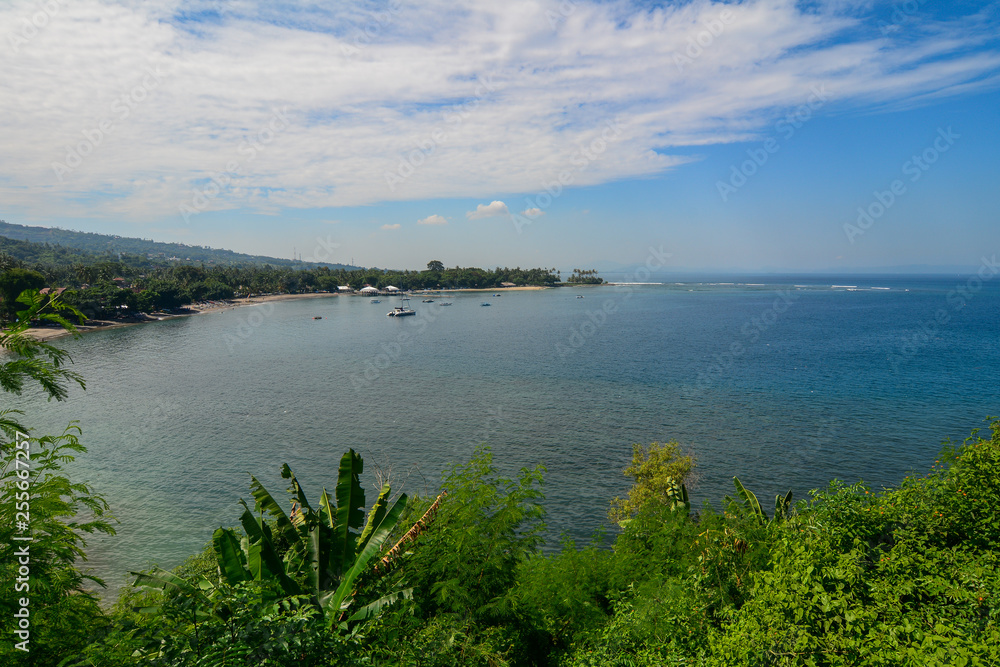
112	286
104	245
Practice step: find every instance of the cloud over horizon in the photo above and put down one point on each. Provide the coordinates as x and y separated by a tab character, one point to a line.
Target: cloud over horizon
135	110
490	210
433	220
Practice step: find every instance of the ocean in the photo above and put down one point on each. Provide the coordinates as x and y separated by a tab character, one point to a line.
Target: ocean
785	381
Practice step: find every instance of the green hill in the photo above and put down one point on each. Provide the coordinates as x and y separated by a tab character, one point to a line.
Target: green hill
104	246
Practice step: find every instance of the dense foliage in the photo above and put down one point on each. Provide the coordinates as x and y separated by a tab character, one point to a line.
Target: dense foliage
905	576
908	576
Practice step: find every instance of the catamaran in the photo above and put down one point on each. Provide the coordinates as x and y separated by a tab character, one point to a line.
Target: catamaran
402	309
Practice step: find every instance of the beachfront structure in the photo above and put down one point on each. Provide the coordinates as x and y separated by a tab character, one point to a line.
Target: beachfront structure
368	289
390	288
345	289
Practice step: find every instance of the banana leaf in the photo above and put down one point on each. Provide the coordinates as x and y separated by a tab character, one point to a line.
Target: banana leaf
350	512
232	561
341	597
266	503
781	506
749	499
262	558
300	495
375	516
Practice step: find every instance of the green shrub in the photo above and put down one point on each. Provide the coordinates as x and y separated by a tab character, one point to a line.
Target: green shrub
462	569
567	594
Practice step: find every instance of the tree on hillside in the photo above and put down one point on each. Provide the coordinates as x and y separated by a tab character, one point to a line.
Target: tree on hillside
12	283
33	360
435	265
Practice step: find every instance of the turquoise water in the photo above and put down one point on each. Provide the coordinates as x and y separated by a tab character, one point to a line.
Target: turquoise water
787	382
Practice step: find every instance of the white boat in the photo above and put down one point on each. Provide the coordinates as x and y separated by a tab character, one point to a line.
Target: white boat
446	303
375	301
402	309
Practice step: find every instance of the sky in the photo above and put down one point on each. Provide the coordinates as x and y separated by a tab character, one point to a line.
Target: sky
767	135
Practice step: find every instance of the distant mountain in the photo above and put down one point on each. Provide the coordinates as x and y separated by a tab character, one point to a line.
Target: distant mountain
104	244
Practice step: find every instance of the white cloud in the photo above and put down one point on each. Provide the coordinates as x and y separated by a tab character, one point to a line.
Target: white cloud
433	220
533	212
488	211
126	110
396	226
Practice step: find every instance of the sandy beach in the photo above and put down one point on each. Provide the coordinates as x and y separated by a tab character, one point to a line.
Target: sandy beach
49	333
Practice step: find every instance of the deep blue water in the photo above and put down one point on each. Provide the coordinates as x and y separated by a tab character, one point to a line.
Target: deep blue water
785	381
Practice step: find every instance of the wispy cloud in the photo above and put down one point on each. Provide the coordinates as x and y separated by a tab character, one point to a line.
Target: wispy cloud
532	212
225	69
433	220
395	226
488	211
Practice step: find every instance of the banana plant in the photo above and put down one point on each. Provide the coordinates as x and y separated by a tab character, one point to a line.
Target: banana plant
328	548
782	505
677	494
750	504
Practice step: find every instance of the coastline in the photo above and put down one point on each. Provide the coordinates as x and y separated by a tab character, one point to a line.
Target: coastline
51	333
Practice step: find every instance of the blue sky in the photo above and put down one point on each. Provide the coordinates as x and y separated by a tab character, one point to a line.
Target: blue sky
745	136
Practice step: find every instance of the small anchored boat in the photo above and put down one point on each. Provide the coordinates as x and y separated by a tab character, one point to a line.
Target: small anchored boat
402	309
